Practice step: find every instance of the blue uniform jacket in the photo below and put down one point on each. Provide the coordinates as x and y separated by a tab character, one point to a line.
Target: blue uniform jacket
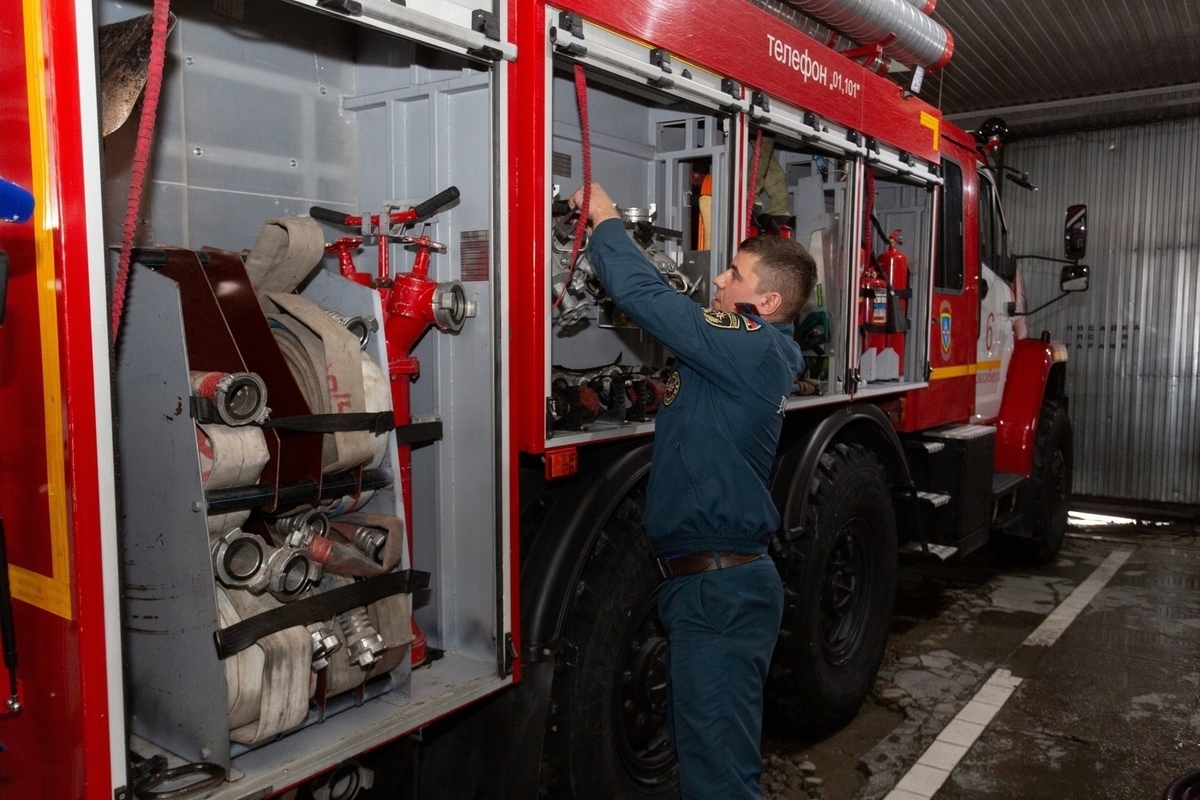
718	428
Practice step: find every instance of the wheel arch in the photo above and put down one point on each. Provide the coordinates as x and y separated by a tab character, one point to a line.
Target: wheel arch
1037	371
807	438
562	538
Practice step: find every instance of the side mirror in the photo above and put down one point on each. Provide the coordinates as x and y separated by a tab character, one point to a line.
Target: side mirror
1075	234
1074	278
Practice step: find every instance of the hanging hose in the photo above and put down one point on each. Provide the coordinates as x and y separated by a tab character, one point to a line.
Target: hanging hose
585	139
754	179
868	241
141	156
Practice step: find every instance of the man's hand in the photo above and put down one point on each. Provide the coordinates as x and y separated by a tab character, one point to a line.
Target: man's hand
600	205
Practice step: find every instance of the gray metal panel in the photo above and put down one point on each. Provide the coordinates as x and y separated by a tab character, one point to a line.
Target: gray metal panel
462	483
169	603
1134	336
417	140
249	127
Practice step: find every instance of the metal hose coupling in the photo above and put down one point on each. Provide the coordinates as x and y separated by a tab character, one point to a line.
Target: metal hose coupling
363	642
240	560
290	570
370	541
360	326
237	398
297	530
451	306
324	643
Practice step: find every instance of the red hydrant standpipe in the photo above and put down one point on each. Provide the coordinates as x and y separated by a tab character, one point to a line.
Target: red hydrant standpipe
412	303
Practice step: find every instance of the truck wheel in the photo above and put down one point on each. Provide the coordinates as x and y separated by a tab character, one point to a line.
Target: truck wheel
1045	498
839	577
607	734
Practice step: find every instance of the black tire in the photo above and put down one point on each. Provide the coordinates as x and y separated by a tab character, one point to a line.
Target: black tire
839	577
1045	499
607	735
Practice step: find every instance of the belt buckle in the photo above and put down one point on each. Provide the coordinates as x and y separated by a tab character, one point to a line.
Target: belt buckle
664	568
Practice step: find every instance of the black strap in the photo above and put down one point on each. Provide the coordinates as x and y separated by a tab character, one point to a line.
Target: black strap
419	432
316	608
377	422
879	228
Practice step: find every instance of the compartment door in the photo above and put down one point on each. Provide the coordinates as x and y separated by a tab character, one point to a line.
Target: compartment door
56	492
448	24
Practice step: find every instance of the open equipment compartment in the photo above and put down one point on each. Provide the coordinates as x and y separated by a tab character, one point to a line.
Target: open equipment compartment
804	183
663	143
895	269
263	115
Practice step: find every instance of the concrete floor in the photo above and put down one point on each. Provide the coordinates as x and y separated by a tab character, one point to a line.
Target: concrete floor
1102	701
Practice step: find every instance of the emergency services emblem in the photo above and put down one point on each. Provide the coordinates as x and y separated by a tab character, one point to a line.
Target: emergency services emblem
944	323
722	319
672	388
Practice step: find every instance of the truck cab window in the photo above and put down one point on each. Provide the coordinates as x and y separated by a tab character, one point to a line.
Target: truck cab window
948	274
991	226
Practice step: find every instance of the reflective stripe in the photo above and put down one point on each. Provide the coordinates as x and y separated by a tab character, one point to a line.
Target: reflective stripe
938	373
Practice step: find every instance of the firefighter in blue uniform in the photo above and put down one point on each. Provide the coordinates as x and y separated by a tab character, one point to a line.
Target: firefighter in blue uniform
708	507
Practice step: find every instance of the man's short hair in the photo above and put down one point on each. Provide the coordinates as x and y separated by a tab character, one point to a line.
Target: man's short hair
783	266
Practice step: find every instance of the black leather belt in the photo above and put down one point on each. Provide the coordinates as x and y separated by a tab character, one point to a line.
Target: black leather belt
692	563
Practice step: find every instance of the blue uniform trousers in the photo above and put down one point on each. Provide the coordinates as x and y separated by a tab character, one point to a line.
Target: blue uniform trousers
721	628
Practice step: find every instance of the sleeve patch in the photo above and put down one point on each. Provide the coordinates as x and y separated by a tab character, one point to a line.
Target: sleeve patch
722	319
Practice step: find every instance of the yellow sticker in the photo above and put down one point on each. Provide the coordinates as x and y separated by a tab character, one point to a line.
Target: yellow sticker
933	123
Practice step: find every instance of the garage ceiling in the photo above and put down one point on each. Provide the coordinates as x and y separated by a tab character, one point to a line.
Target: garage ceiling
1049	66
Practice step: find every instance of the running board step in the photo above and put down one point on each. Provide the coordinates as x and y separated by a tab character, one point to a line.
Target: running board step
940	551
935	499
962	432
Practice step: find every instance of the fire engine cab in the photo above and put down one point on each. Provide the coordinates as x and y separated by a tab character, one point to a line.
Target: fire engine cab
336	475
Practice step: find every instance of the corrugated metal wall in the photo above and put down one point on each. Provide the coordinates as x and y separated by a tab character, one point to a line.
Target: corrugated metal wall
1134	336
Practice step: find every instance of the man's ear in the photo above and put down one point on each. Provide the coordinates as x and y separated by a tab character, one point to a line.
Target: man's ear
769	303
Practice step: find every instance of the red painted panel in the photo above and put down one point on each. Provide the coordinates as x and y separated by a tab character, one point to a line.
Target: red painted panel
527	187
738	40
1024	387
58	745
951	396
941	403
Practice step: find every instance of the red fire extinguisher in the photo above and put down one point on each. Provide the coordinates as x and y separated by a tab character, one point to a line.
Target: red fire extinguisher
872	307
894	266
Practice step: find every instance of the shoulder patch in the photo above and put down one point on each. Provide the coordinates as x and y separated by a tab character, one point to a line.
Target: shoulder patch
672	391
751	323
722	319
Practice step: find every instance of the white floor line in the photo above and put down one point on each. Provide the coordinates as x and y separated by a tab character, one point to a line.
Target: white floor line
934	766
1060	618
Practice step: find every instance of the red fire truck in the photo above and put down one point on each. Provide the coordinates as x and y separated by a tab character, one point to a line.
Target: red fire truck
336	480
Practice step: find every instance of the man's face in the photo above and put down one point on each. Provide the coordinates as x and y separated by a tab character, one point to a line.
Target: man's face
738	284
